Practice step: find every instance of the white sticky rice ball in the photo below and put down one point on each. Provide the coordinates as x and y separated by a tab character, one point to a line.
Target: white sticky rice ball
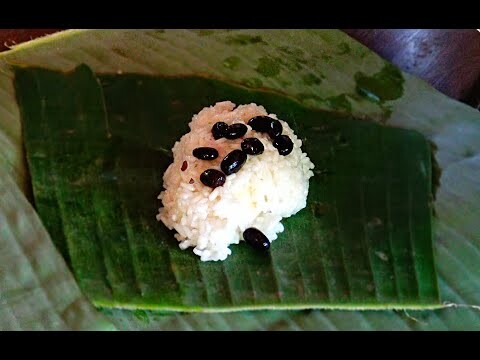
266	189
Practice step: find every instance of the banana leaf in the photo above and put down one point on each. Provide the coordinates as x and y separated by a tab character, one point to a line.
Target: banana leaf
364	241
332	72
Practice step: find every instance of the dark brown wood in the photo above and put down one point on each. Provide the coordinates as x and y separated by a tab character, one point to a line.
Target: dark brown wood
447	59
9	37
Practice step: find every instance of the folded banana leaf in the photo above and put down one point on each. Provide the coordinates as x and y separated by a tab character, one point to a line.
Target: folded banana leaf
364	240
322	70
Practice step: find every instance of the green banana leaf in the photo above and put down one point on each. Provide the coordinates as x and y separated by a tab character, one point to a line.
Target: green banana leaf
332	72
95	175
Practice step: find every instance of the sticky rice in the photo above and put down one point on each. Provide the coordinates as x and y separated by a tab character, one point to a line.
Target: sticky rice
267	188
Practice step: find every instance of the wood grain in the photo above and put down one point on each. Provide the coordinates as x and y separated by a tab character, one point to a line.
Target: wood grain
447	59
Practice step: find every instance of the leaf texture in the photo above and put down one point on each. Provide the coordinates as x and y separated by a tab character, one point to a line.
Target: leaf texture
318	68
364	240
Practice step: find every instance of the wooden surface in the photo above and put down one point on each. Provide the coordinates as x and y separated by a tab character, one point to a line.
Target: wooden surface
9	37
447	59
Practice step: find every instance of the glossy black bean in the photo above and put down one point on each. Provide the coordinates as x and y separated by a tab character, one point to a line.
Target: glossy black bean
219	130
252	146
275	128
205	153
236	131
212	178
256	239
233	162
260	123
266	124
283	144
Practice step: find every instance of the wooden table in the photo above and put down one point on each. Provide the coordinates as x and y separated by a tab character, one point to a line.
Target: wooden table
447	59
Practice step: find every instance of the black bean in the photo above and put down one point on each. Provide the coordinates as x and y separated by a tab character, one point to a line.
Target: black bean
205	153
260	123
275	129
252	146
212	178
256	239
184	165
236	131
233	162
219	130
266	124
283	144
